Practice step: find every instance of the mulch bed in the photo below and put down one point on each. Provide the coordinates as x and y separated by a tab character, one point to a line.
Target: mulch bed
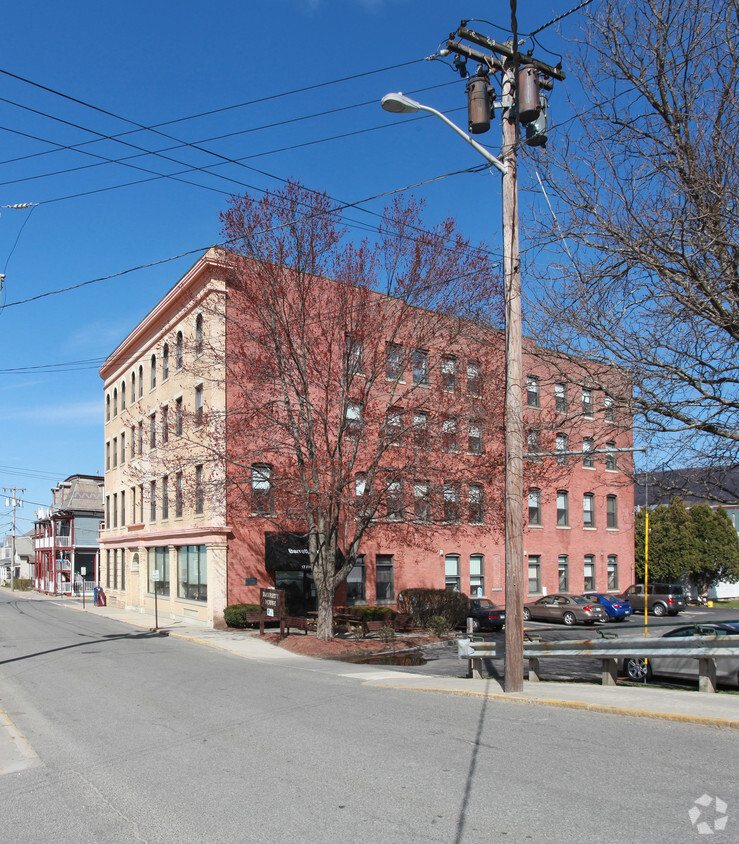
341	648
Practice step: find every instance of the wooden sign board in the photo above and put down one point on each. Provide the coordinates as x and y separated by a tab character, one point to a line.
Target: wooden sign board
272	605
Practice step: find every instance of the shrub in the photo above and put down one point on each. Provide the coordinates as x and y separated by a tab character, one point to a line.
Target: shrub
376	613
424	604
386	633
438	625
235	615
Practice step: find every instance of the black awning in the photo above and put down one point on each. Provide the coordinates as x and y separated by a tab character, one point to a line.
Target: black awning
289	552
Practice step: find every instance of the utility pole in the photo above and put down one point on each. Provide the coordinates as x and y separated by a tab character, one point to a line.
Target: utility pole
15	502
522	77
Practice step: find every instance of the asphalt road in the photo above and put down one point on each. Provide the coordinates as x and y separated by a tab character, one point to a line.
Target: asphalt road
142	738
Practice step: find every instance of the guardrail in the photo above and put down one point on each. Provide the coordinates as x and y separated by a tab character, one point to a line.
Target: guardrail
706	649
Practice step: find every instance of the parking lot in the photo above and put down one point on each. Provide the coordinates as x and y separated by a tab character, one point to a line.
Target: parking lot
441	659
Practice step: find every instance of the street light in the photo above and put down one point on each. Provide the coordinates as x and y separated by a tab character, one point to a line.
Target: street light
400	104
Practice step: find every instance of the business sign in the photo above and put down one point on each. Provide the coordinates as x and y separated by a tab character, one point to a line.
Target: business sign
272	603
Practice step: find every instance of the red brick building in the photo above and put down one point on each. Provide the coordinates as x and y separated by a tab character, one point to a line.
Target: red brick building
206	481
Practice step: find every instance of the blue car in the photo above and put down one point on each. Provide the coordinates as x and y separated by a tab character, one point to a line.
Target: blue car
615	606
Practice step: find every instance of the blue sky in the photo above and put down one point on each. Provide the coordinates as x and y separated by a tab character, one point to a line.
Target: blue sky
148	64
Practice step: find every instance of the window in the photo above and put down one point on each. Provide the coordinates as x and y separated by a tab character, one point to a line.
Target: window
451	502
588	510
115	402
477	575
384	578
449	373
611	511
133	504
532	391
123	569
141	438
534	507
165	497
152	501
353	421
123	509
115	568
165	424
165	362
141	381
141	503
474	437
353	355
612	572
192	573
588	459
107	408
534	574
533	446
589	573
178	495
356	582
178	417
115	509
153	430
394	424
133	441
452	582
115	452
178	351
563	574
421	501
609	409
420	367
449	435
560	397
393	361
198	335
107	456
123	447
153	371
420	429
610	457
561	446
563	508
133	387
361	495
476	502
199	492
123	395
587	402
159	561
107	569
261	489
394	501
474	378
199	404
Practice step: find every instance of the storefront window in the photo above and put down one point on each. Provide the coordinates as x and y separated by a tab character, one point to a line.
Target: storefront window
159	561
192	578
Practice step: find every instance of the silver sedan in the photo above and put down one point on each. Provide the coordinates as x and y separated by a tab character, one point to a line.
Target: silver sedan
569	609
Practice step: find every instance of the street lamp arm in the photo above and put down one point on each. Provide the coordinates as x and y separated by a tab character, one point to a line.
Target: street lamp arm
399	103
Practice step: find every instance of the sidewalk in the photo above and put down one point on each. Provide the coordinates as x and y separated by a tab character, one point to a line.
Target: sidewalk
720	710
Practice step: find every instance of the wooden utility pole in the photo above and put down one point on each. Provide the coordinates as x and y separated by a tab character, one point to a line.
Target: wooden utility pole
14	502
507	61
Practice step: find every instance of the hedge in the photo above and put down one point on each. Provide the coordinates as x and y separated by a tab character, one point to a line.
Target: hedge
235	614
424	604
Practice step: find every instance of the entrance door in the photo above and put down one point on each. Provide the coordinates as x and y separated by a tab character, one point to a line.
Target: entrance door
300	591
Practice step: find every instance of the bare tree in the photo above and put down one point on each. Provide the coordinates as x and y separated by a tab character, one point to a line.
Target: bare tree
639	259
363	382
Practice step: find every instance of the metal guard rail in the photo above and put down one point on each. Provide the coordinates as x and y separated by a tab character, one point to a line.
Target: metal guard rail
706	649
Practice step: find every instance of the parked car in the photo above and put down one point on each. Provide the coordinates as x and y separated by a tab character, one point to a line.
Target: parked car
686	668
569	609
485	615
663	598
617	609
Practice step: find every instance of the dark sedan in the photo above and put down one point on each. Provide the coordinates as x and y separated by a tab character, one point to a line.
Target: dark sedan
485	615
569	609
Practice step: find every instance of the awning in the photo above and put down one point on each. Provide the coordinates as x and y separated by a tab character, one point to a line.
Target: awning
289	552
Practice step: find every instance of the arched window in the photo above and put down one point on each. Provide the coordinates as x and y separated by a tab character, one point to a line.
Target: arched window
141	381
178	362
153	371
123	395
133	386
115	402
199	335
165	362
107	408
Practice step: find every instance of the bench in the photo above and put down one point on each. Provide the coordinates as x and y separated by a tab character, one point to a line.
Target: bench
304	624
